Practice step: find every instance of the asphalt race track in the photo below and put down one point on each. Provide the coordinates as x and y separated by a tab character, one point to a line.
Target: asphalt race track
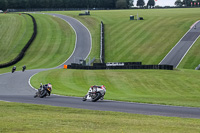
175	56
14	87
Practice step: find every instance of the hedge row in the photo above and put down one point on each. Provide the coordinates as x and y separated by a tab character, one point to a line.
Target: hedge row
22	53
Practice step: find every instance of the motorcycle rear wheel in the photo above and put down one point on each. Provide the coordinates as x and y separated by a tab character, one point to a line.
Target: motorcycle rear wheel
98	96
43	94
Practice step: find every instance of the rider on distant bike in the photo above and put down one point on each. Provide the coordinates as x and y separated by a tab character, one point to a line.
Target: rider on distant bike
44	90
48	87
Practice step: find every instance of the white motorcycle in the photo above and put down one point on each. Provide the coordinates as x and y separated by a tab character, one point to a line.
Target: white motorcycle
95	93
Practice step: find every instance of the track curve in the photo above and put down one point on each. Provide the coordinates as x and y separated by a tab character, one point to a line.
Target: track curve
15	88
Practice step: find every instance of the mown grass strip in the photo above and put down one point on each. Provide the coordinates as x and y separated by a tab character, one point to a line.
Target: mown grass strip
17	117
179	87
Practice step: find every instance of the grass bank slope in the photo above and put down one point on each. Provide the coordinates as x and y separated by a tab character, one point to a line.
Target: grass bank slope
53	45
17	117
147	41
145	86
16	30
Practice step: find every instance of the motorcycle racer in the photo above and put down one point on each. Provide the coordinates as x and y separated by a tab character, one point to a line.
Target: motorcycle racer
95	93
44	90
48	87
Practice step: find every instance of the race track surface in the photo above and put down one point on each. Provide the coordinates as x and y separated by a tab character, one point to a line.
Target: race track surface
14	87
136	108
175	56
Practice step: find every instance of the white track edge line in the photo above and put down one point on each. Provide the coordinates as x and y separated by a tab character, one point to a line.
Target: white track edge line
175	45
187	51
179	41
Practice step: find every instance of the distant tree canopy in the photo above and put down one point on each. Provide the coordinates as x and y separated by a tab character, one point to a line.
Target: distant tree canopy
140	3
179	3
151	3
23	4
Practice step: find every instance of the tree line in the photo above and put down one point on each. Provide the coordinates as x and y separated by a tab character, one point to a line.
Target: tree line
25	4
150	3
179	3
187	3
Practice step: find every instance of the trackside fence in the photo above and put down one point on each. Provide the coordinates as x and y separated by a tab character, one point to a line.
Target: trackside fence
22	53
102	52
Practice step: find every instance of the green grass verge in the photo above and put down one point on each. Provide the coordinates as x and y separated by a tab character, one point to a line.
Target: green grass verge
17	117
16	30
179	87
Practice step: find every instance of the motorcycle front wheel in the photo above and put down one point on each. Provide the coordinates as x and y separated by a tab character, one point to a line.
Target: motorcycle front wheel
85	98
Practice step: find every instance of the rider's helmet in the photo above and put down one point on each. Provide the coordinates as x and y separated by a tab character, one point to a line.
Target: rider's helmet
49	86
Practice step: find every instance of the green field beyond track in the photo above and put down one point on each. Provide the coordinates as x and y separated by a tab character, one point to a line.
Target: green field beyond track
16	30
16	117
147	41
181	87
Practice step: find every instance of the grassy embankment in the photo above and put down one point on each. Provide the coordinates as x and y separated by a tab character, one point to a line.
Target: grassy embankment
17	117
54	42
147	41
16	30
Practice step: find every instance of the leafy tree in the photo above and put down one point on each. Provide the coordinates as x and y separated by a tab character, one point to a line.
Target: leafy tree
130	3
111	4
187	2
44	3
140	3
121	4
33	3
179	3
3	5
151	3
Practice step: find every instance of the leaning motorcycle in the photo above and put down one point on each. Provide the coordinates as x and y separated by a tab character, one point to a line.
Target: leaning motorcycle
95	93
43	91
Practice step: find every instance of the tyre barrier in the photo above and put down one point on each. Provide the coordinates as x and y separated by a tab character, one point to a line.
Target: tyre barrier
22	53
133	65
